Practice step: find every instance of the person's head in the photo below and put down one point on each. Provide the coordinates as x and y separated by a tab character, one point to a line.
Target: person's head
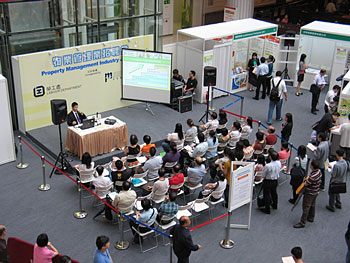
271	59
75	106
261	159
175	72
246	143
271	130
302	151
198	161
192	74
190	123
288	117
152	151
259	136
321	137
200	136
224	131
249	121
314	165
102	242
336	88
212	134
237	126
65	259
336	99
279	73
146	204
273	155
172	196
119	164
147	139
99	170
42	240
86	159
239	146
262	60
220	175
284	146
254	55
340	153
213	115
177	169
335	116
133	139
322	72
173	147
178	130
184	221
161	172
126	186
3	231
222	115
297	253
303	57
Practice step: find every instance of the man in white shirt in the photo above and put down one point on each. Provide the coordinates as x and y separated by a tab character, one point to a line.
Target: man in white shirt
212	124
330	96
319	83
153	164
345	138
160	187
101	181
280	84
262	72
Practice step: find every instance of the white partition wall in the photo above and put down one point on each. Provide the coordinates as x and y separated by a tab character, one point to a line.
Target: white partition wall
7	151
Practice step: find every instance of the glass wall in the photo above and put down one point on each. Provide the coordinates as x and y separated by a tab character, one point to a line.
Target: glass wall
32	26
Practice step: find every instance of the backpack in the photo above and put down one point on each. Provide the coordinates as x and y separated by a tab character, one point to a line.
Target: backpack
274	91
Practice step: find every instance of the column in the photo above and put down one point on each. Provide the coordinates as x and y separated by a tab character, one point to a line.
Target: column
244	8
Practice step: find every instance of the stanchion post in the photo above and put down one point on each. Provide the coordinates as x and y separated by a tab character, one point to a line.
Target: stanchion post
212	99
80	214
171	248
241	111
122	244
290	157
227	243
259	124
21	164
44	186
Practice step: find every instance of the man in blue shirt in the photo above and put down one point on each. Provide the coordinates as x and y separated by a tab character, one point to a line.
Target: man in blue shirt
262	72
196	174
102	254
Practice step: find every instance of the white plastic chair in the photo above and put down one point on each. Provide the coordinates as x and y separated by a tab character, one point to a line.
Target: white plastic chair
213	204
200	206
180	188
185	210
141	235
165	227
140	176
101	192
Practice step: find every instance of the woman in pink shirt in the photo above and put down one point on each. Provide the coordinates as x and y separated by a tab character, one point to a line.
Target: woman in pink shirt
284	153
44	251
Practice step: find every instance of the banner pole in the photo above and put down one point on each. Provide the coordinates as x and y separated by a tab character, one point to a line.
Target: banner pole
121	244
227	243
259	124
21	164
289	159
44	186
80	214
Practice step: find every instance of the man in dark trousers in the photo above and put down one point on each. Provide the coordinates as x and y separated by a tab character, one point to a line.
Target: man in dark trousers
75	117
182	241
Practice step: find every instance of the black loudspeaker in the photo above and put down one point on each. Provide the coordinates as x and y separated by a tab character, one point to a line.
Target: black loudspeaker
185	104
209	76
58	111
289	42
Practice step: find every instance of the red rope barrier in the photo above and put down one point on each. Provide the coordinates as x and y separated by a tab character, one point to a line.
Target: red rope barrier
238	115
30	147
209	222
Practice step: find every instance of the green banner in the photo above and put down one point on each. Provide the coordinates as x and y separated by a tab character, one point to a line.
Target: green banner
256	33
324	35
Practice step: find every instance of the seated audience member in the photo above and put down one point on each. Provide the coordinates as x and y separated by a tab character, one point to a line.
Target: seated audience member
148	145
123	202
235	134
247	150
259	143
191	133
211	125
297	254
44	251
160	187
222	121
172	156
215	189
221	162
148	216
178	177
65	259
223	139
100	180
168	208
102	254
198	151
238	152
177	137
259	167
86	165
132	151
212	142
285	152
247	128
119	175
153	164
271	136
4	256
196	174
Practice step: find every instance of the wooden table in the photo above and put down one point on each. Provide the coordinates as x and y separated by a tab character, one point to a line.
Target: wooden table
100	139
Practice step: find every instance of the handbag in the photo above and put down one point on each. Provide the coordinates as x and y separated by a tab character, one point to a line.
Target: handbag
297	174
260	200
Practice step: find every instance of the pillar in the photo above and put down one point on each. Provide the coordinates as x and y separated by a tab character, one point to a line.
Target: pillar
244	8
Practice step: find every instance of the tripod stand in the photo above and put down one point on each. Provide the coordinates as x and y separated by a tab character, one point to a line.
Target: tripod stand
285	71
207	112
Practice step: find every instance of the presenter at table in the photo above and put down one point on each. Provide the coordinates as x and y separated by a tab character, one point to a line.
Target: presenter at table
75	117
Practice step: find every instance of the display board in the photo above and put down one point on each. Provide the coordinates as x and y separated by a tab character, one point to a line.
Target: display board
146	75
271	46
241	185
88	74
256	45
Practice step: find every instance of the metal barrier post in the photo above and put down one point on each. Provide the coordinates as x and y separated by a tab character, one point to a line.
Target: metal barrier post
289	159
21	164
122	244
227	243
211	97
171	248
259	124
44	186
80	214
241	111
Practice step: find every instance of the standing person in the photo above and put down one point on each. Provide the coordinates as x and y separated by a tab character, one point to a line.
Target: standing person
253	63
347	240
270	176
287	127
262	72
312	186
318	85
76	116
297	254
276	97
102	254
270	62
327	123
4	257
345	138
182	240
338	175
301	73
44	251
298	172
191	84
321	155
329	98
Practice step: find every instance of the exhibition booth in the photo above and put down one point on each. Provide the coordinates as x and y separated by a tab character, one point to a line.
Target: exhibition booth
226	46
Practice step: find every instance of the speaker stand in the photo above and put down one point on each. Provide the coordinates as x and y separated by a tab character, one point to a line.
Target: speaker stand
207	112
285	71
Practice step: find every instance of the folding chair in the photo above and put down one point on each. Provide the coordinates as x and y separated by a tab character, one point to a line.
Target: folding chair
185	210
192	188
213	204
86	176
102	192
145	234
200	206
180	188
167	226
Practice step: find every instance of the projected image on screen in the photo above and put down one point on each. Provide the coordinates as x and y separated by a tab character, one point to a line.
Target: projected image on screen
146	75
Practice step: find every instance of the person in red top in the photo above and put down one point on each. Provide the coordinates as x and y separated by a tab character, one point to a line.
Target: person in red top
148	145
177	179
285	152
271	137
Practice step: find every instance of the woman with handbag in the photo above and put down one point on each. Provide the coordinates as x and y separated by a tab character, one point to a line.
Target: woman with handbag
298	172
253	64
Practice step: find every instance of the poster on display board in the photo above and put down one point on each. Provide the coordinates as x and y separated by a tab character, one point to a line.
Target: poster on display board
229	13
344	106
208	58
89	74
271	46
